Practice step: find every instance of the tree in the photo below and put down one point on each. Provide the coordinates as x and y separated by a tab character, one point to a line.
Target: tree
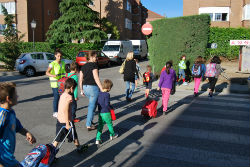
77	21
9	49
109	28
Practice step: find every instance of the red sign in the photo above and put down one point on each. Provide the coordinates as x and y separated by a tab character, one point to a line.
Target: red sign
147	29
240	42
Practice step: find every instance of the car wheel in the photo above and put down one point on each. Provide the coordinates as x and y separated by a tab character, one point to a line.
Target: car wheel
30	71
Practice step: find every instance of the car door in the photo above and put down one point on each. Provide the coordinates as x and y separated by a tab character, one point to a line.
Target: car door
39	61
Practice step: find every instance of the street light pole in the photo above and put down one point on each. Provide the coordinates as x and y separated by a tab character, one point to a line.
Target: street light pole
33	26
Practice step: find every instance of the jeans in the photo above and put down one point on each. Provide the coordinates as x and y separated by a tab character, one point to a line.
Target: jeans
104	118
197	82
73	107
182	73
92	92
129	92
56	99
165	98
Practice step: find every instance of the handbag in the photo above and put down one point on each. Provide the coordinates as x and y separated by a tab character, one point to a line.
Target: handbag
112	112
121	70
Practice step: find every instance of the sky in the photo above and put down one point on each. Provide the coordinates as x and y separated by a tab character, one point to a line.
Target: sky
170	8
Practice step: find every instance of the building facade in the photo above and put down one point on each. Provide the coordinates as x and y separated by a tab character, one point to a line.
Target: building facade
42	11
127	15
223	13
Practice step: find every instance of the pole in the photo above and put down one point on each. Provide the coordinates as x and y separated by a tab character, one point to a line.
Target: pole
240	58
33	40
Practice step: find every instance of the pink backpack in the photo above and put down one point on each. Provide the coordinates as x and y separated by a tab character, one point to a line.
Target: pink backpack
210	70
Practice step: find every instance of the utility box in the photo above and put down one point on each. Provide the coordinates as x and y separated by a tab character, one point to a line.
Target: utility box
245	64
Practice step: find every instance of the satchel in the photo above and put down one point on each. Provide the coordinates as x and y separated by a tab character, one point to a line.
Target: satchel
121	71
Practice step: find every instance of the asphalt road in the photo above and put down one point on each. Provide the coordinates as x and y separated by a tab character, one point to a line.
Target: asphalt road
198	132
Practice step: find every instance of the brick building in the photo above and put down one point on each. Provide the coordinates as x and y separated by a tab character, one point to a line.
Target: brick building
42	11
153	16
127	15
223	13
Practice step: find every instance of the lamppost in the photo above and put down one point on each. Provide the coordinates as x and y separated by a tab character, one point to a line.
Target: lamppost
33	26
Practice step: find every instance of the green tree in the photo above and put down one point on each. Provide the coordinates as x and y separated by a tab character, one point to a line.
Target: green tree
9	50
77	21
109	28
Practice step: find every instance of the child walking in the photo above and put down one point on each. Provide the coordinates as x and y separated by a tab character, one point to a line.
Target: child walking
73	74
213	71
148	78
166	84
104	112
64	117
198	72
182	68
9	125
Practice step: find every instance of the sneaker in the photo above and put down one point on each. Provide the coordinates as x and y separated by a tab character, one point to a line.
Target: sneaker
185	83
98	142
195	94
76	120
114	137
55	114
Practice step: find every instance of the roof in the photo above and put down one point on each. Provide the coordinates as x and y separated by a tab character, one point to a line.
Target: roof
153	16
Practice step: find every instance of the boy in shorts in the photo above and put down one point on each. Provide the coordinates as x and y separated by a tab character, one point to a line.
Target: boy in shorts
9	125
148	77
64	117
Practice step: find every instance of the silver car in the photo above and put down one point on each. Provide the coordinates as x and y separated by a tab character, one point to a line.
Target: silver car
30	63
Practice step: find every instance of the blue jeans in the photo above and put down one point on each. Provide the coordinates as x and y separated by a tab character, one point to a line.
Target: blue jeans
182	73
92	92
56	99
129	92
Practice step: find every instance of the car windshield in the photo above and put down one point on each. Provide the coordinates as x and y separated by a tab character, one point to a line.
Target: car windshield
81	54
111	48
136	48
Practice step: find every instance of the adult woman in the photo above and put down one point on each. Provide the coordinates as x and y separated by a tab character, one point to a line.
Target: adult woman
166	84
56	71
129	75
90	84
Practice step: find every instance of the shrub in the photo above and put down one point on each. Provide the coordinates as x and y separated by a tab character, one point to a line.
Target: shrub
222	37
176	36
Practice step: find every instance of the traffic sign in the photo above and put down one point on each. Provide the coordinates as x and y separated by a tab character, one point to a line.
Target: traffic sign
239	42
147	29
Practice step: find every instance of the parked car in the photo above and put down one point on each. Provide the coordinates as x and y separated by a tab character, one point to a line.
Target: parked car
140	49
117	50
102	59
30	63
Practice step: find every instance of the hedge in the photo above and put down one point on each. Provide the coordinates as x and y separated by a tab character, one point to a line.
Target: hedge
69	50
222	37
176	36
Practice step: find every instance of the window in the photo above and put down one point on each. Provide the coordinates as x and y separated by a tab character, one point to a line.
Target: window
216	13
246	12
128	24
129	6
50	57
111	48
10	6
38	56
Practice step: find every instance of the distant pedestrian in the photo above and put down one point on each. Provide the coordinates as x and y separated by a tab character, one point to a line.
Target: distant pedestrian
10	125
148	78
182	67
73	74
104	108
56	71
137	78
167	78
198	72
129	75
90	85
64	118
213	71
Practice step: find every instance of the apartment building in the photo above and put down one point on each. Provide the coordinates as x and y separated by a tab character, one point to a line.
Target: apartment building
42	11
127	15
223	13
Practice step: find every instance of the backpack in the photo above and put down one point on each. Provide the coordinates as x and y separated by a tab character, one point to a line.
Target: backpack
150	109
121	70
146	77
196	70
40	156
61	83
210	70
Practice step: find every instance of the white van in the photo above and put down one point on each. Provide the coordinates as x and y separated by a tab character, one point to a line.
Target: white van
117	50
140	49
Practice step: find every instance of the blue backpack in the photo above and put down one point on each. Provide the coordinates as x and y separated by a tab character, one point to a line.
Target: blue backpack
40	156
196	71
